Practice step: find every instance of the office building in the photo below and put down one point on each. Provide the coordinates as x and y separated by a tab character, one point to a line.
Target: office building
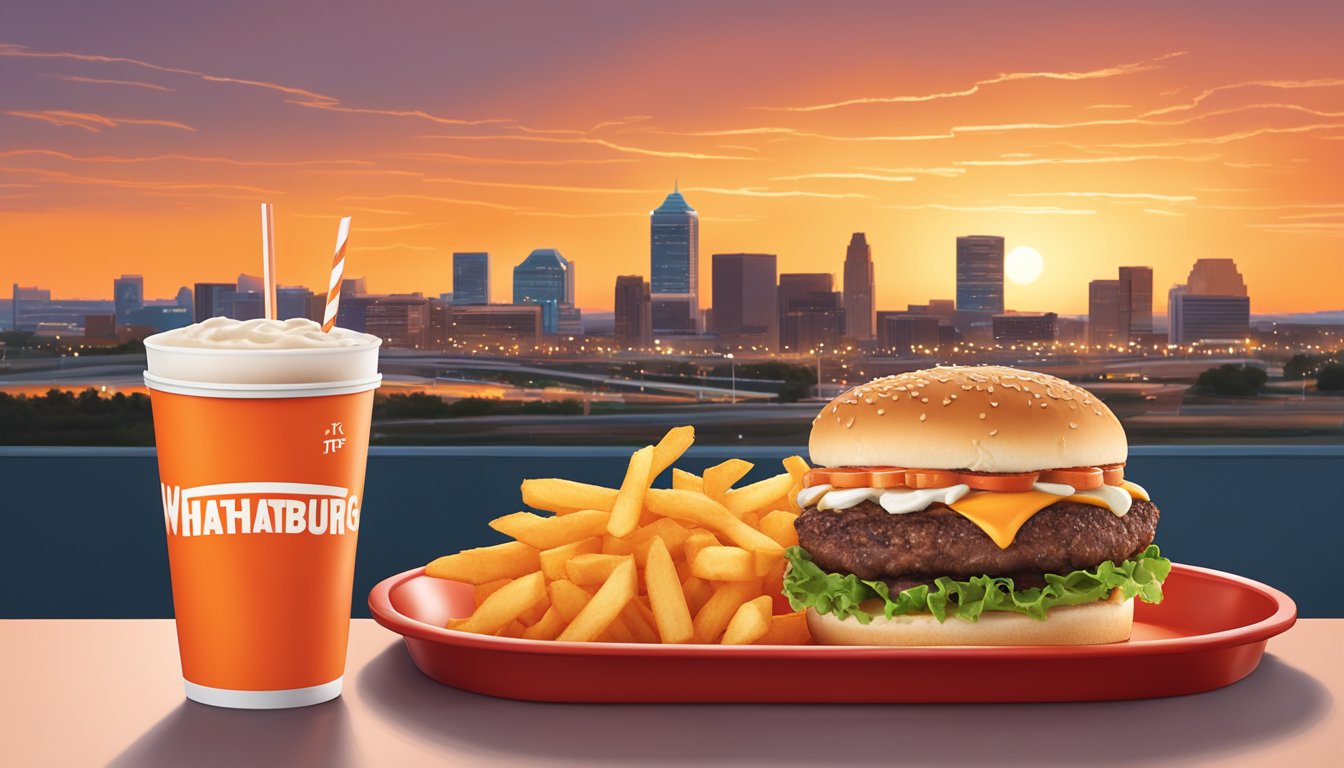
1193	317
905	333
471	278
545	278
1136	302
980	275
21	298
858	288
400	320
815	321
794	290
184	299
251	284
634	313
250	305
100	326
160	318
495	324
210	300
1103	313
569	322
674	266
296	301
1215	277
1021	328
745	299
128	295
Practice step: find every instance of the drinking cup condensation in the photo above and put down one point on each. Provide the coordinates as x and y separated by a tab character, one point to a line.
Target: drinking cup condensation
262	431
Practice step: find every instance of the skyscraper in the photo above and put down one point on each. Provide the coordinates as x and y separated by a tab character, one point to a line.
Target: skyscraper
128	295
1136	301
546	278
745	298
858	288
795	290
1103	313
1213	304
211	300
471	278
674	265
980	274
1215	277
634	312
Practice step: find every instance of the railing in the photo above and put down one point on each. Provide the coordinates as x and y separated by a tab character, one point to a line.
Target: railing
82	528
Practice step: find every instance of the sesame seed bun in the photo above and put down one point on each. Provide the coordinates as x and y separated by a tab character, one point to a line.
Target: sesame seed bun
981	419
1105	621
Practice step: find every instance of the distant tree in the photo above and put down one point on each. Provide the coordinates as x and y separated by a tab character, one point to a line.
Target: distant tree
1232	380
1300	366
1330	378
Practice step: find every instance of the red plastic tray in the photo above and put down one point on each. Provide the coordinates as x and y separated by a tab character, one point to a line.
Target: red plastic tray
1209	632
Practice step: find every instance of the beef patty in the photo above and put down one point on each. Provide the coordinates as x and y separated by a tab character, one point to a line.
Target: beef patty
916	548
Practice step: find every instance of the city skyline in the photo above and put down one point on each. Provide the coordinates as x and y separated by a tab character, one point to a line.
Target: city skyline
1177	134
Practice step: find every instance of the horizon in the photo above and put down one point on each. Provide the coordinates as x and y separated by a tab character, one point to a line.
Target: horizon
1178	134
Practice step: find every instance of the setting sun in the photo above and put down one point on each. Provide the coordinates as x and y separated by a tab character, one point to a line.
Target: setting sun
1023	265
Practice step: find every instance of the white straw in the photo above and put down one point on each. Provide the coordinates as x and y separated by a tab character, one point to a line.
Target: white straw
337	269
268	258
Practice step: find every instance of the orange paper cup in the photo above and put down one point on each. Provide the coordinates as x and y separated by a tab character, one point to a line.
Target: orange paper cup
262	488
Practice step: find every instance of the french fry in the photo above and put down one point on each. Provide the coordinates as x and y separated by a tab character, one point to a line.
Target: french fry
701	510
550	532
773	583
548	628
514	629
698	592
670	448
797	469
568	598
787	629
537	612
666	598
696	542
712	619
504	606
672	534
586	570
641	628
616	632
551	494
478	566
750	623
630	499
607	603
482	591
687	481
757	495
752	519
724	564
720	477
553	560
779	525
617	545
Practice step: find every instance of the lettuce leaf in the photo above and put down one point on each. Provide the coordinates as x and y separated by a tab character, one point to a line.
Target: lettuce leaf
807	586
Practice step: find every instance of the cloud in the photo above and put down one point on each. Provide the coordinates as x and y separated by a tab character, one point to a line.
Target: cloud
111	159
1325	82
559	215
434	199
588	141
449	157
1003	77
1083	160
100	81
763	192
1227	138
856	176
1159	212
1028	210
92	122
936	171
544	187
403	227
1113	196
776	130
1320	229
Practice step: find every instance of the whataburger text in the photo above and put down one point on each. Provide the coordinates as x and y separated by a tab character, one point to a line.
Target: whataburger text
230	509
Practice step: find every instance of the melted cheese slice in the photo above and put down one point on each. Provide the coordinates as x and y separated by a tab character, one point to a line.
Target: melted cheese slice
1000	515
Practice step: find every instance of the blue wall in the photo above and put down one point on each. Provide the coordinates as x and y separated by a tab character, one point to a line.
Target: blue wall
81	530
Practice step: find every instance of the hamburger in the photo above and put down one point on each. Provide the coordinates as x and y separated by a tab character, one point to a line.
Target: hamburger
971	506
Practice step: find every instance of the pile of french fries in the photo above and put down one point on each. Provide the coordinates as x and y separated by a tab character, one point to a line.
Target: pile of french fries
701	562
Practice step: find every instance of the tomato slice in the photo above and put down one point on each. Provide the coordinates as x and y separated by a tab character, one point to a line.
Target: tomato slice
931	478
1082	478
1113	474
839	477
1014	482
887	477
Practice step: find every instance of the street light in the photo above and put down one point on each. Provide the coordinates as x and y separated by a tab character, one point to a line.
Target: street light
732	367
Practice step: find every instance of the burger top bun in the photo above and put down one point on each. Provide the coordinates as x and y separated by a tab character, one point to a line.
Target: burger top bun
981	419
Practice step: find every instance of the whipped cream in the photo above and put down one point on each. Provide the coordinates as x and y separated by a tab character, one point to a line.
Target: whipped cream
296	333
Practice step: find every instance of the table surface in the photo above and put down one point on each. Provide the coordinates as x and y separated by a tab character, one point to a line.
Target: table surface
109	692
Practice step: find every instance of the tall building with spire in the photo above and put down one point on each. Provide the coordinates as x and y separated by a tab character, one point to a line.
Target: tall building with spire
674	265
858	288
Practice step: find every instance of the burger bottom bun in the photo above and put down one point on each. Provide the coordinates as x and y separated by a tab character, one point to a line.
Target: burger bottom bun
1105	621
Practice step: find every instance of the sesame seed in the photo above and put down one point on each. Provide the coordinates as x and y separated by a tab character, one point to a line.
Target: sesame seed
993	404
849	423
1044	404
923	416
1072	425
834	408
881	411
982	417
953	396
923	399
993	432
868	400
947	401
990	389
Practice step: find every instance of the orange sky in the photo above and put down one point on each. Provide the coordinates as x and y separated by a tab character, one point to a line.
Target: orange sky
1152	137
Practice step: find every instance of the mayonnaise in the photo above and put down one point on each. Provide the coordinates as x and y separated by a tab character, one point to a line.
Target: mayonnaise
900	501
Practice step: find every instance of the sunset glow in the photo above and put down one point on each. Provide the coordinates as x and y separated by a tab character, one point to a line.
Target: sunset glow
1102	137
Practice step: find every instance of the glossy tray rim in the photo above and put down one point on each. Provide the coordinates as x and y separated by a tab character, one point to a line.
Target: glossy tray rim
1280	620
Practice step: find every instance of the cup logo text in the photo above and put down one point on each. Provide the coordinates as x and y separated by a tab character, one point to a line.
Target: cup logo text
232	509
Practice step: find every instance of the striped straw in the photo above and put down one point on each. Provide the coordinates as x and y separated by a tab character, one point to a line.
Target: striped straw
337	269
